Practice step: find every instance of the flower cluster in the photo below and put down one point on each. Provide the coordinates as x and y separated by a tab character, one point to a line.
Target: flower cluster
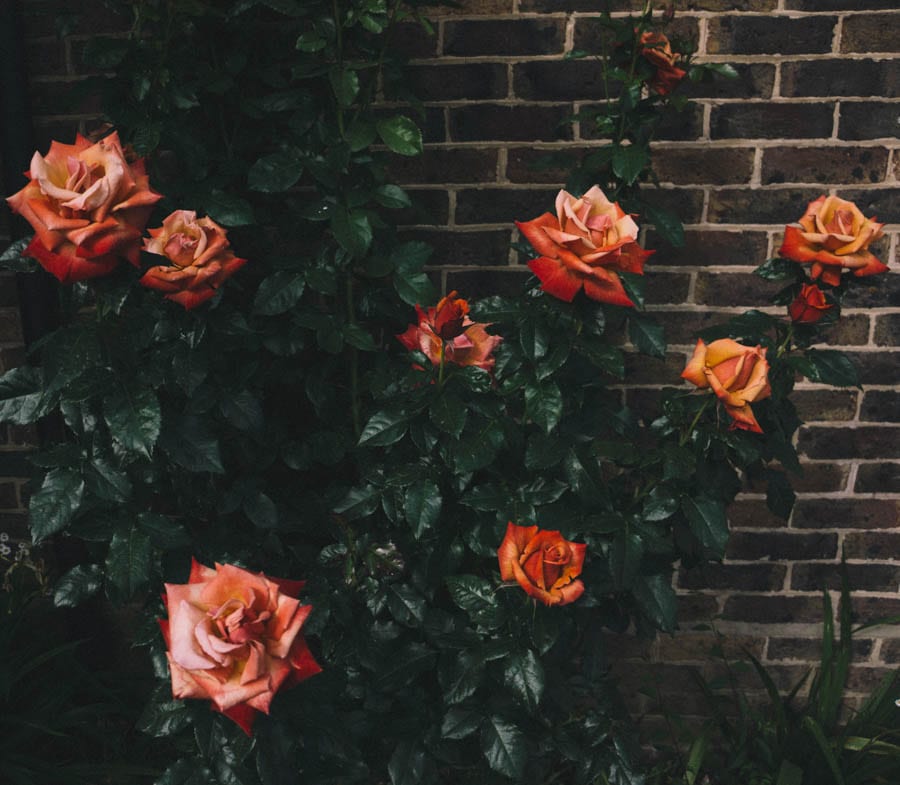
89	204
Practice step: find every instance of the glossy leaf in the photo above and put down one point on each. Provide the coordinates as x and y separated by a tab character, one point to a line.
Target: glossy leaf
706	519
276	172
523	675
504	746
22	401
459	722
384	428
79	584
401	135
128	563
422	506
134	418
279	292
192	443
656	599
52	508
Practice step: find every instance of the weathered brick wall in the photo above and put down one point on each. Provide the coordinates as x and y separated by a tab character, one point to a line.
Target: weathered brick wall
816	110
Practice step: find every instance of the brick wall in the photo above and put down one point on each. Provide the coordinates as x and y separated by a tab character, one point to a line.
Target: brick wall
816	110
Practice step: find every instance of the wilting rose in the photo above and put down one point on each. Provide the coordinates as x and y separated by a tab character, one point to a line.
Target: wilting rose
88	207
233	637
543	563
834	235
655	47
200	258
736	373
585	245
447	332
809	306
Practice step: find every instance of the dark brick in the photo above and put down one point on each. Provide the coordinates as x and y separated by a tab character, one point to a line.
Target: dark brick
9	295
881	406
751	514
841	77
866	679
890	650
751	35
496	37
881	202
871	545
412	40
772	120
850	331
868	120
872	609
473	8
11	357
558	6
876	367
483	248
478	122
868	33
543	165
456	81
706	646
45	57
772	610
758	206
878	478
682	326
430	207
782	545
709	165
695	606
749	577
10	326
46	131
825	405
640	369
754	80
839	5
703	248
445	165
810	649
87	17
559	80
872	442
9	496
685	203
674	126
821	478
887	328
64	96
592	36
731	289
875	291
843	165
862	577
484	283
666	288
501	205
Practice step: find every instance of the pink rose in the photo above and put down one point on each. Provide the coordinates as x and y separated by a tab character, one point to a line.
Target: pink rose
834	235
233	637
88	207
585	245
199	254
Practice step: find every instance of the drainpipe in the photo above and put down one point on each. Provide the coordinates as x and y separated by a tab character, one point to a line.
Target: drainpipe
38	301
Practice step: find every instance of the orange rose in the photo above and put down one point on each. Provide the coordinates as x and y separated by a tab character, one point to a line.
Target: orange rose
446	331
88	207
834	235
736	373
200	256
233	637
655	47
543	563
585	245
809	306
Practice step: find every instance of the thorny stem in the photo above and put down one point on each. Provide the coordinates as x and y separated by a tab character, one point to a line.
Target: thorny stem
687	434
785	345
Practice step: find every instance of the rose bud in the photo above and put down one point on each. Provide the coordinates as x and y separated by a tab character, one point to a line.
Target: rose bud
656	49
736	373
585	245
543	563
233	637
834	236
809	306
199	255
446	332
88	207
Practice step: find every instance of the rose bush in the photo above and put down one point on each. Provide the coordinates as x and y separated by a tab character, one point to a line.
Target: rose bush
736	373
199	254
233	637
543	563
585	245
809	306
88	206
445	334
656	48
833	235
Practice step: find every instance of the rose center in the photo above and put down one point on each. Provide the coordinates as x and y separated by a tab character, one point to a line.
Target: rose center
237	623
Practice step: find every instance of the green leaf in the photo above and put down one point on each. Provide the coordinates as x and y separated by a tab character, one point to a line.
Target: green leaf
628	162
134	417
187	772
779	270
449	414
276	172
164	533
192	444
656	599
411	257
243	410
414	288
69	353
77	585
128	563
831	367
779	494
634	286
352	230
52	508
106	481
534	338
358	502
392	196
659	504
12	259
21	398
360	134
503	745
668	226
413	659
544	404
406	604
460	676
422	506
478	447
227	209
459	723
400	134
261	511
646	334
384	428
407	763
523	675
279	292
344	84
359	338
706	519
